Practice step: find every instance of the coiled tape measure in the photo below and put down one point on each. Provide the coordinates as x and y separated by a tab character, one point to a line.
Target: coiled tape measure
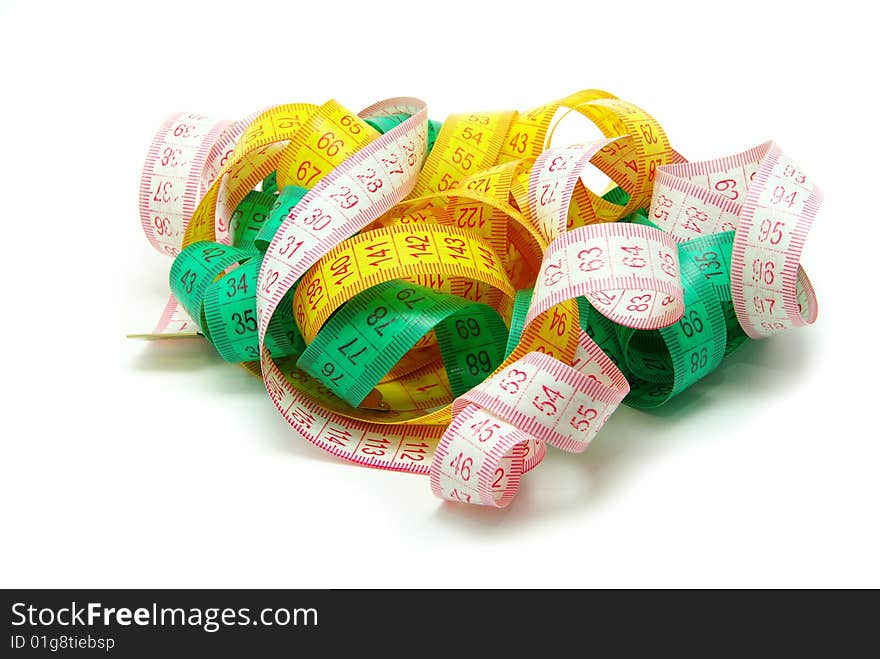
451	299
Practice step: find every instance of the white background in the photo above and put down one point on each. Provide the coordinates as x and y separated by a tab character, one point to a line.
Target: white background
133	464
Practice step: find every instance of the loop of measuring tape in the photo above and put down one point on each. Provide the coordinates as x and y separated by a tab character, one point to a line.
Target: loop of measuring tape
771	203
450	299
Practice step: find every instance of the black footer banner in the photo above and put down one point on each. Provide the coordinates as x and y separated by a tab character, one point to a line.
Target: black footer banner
270	623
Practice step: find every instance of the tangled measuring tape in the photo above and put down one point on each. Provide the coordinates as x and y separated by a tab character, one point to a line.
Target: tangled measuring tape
450	299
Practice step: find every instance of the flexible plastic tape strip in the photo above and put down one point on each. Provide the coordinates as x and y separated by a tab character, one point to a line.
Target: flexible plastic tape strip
377	327
377	278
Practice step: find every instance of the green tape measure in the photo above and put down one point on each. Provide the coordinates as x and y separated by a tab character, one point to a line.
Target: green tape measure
196	268
713	255
659	364
230	310
368	335
249	218
270	183
224	301
518	318
664	362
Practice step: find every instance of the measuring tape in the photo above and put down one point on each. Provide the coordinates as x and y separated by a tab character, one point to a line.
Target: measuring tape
380	325
450	299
